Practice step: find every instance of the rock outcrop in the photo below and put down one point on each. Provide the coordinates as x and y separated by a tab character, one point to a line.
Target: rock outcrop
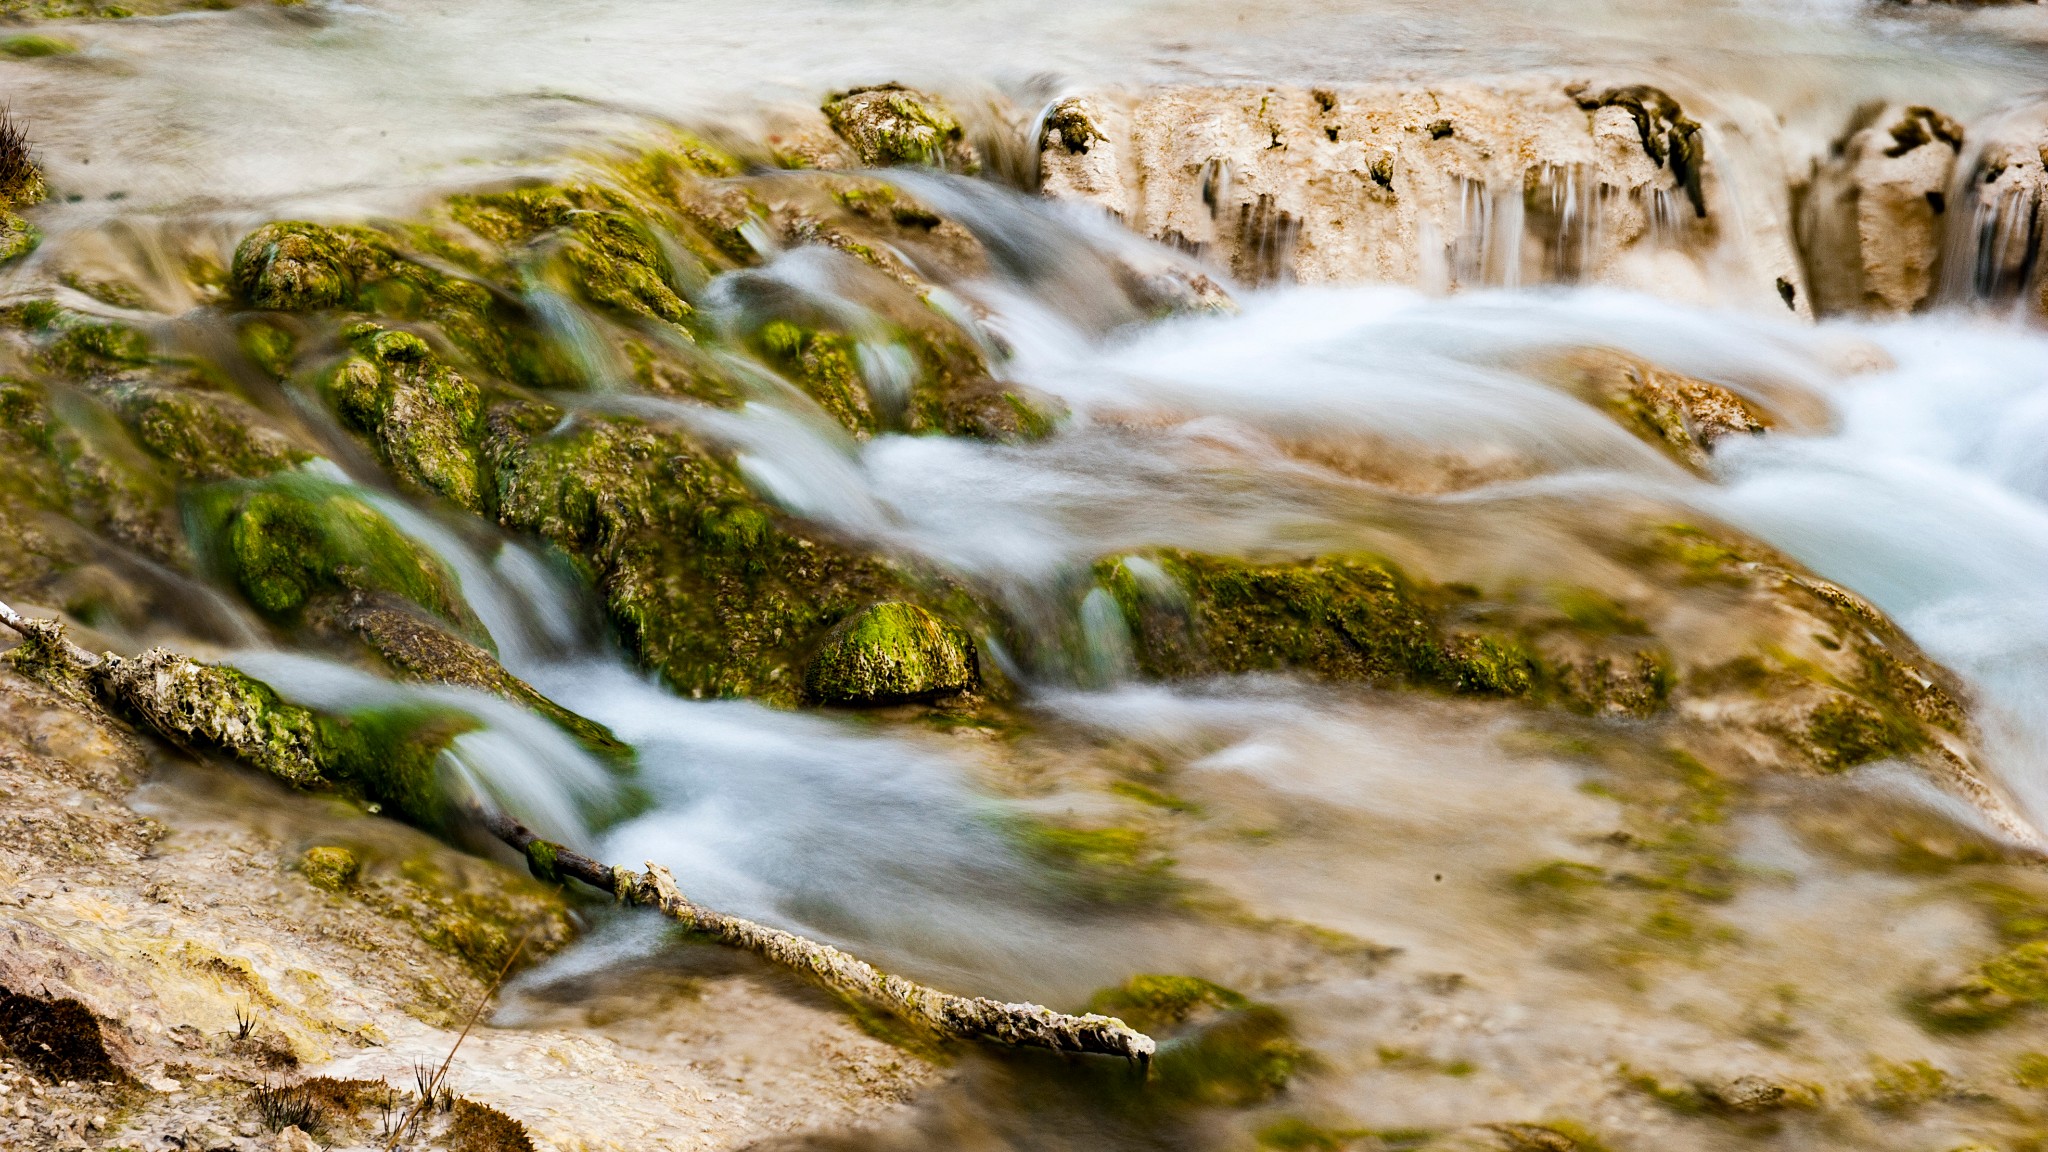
1872	220
1441	186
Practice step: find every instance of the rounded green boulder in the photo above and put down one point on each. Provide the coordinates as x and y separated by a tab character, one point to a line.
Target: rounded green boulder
891	652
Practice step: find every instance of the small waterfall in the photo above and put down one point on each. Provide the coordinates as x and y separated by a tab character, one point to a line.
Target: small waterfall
1566	202
1487	248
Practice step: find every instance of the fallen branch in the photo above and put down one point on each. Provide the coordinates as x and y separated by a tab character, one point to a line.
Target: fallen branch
959	1017
159	688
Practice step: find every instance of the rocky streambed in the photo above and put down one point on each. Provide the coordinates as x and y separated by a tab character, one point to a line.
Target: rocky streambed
1494	607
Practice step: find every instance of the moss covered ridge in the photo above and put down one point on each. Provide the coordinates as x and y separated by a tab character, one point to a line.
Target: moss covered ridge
1350	618
891	652
288	539
720	593
422	416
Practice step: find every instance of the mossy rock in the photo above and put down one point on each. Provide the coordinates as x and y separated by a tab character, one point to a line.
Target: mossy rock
285	540
613	258
892	652
423	417
720	593
1352	618
889	124
393	755
297	266
824	365
329	866
18	237
75	344
202	436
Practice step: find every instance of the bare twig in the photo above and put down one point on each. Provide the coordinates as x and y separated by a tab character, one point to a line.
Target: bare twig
959	1017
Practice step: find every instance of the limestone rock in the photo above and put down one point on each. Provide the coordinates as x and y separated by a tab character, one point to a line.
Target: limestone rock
1873	218
892	651
1443	186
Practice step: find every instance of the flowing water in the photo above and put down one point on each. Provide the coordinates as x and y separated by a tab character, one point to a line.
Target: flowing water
1340	854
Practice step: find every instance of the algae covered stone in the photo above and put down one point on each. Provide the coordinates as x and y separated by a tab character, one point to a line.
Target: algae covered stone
890	124
889	652
422	416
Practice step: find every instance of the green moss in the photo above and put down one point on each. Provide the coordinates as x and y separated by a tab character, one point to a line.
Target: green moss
619	265
423	417
1902	1087
18	237
1354	618
890	652
1596	612
202	435
1154	1002
418	650
269	346
1099	865
719	593
393	755
32	46
329	866
2030	1070
1242	1058
823	365
209	706
296	266
76	344
285	540
890	124
1703	557
613	258
540	860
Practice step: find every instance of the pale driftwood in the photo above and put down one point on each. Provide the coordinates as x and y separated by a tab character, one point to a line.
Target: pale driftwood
959	1017
153	688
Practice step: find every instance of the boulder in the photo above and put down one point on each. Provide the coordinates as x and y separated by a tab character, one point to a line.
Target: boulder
891	652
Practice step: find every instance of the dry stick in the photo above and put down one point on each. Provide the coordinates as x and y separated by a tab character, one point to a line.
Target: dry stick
959	1017
427	1094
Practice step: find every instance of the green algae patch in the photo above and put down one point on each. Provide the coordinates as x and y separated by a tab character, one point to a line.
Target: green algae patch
35	47
292	537
1098	865
1152	1002
1348	618
890	124
329	866
892	652
721	594
423	418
